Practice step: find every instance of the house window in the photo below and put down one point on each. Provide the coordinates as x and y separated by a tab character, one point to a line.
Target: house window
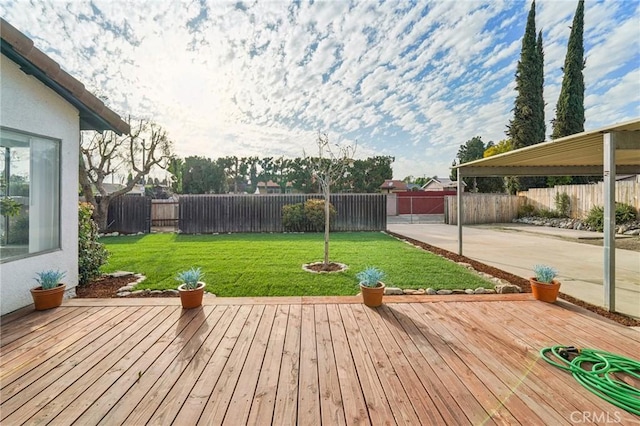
29	193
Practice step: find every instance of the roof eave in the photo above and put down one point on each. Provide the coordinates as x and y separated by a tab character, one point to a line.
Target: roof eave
94	115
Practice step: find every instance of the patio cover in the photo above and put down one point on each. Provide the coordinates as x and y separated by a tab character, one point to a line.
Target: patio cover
608	151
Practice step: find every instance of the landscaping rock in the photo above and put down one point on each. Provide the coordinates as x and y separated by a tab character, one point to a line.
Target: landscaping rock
119	274
499	281
466	265
123	294
125	288
457	291
431	291
469	291
156	291
444	292
393	291
489	291
507	288
480	290
567	223
175	292
137	292
412	291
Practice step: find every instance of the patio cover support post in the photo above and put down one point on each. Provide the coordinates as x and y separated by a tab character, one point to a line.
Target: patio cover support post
609	243
459	211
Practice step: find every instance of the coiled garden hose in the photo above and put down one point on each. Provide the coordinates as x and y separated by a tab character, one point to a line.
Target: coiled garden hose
600	372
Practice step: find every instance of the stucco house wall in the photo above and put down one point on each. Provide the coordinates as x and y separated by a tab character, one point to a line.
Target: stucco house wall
27	105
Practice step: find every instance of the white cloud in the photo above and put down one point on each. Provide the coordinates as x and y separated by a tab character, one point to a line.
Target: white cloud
409	80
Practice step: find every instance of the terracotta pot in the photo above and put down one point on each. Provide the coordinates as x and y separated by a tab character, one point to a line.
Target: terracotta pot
372	296
47	299
191	298
543	291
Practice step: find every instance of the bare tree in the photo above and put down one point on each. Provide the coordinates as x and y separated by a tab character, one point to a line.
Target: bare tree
330	165
103	154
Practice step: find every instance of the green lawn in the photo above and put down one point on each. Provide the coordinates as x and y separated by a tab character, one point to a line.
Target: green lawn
271	264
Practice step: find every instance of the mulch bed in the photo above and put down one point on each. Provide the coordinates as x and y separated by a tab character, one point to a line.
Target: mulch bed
106	286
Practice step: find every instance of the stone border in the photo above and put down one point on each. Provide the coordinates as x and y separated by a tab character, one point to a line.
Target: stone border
306	267
500	286
128	290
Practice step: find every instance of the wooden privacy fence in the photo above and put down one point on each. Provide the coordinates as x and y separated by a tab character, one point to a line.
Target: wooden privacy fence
129	214
164	213
482	208
583	197
204	214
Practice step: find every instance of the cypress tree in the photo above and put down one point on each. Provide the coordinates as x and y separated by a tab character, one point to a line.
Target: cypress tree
570	107
541	127
527	126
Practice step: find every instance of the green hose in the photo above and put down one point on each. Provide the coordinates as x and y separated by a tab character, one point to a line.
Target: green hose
596	370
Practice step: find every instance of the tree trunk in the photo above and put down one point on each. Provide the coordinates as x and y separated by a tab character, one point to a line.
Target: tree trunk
101	214
327	219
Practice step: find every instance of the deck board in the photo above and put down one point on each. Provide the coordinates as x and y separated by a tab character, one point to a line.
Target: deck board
301	361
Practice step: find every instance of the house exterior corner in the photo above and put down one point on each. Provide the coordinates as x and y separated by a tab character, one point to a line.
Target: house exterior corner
40	139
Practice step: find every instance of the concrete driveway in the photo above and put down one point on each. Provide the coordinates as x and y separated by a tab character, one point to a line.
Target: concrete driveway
516	248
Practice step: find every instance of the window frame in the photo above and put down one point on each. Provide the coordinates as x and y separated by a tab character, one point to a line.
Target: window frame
58	242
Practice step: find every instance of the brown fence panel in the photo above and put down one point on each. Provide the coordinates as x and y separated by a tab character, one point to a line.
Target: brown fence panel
483	208
129	214
205	214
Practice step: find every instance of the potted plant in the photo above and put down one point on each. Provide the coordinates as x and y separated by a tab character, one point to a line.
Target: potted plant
50	292
192	288
371	286
543	286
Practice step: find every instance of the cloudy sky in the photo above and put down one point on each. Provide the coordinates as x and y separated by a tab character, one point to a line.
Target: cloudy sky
413	80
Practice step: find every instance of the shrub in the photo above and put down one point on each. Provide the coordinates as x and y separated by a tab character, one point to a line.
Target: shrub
9	207
562	203
314	212
526	210
549	214
624	213
595	218
19	230
91	253
293	218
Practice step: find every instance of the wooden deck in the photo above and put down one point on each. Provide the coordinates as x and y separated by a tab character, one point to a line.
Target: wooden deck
307	361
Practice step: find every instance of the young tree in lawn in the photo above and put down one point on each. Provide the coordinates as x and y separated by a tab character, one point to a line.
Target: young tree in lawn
330	165
103	154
